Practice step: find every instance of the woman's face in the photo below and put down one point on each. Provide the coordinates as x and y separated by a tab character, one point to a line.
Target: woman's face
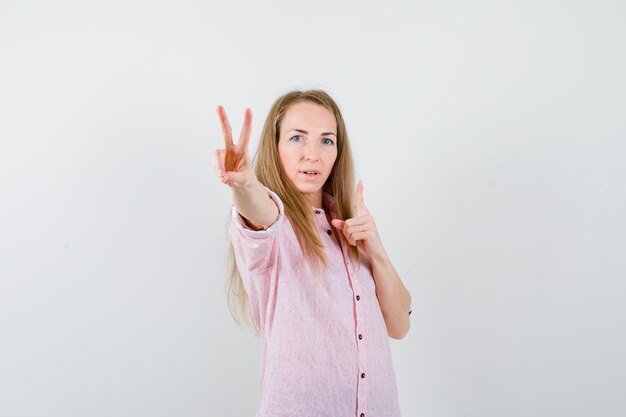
308	143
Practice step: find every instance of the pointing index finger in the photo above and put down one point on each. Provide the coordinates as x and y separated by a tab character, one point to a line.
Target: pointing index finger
358	197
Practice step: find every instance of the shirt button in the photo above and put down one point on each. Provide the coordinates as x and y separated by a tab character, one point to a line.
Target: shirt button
317	212
363	375
330	232
360	336
358	297
362	414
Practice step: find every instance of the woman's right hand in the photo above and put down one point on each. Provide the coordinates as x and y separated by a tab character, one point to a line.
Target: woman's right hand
233	164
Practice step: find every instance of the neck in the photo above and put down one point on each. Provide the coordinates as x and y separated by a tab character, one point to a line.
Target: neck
315	199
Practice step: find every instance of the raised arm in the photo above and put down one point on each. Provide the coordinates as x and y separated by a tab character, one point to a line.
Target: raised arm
393	297
234	168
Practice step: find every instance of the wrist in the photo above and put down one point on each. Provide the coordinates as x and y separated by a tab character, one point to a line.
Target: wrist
379	258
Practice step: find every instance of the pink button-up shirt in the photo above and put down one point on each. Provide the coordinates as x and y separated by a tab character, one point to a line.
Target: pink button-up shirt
326	351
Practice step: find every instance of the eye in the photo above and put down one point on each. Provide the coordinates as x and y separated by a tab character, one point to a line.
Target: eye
294	137
330	141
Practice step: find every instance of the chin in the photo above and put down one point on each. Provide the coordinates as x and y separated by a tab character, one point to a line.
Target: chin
308	188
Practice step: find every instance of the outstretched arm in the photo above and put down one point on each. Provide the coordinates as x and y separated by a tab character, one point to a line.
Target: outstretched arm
234	169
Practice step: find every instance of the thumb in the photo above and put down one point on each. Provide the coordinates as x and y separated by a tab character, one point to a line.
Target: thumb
235	178
337	223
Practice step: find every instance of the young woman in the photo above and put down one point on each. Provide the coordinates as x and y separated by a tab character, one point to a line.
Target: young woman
310	268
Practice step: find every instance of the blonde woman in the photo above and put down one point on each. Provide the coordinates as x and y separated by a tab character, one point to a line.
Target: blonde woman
308	268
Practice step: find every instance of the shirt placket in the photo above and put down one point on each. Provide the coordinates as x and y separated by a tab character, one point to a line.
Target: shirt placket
361	337
359	312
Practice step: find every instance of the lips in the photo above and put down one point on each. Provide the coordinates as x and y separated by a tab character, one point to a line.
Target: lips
310	175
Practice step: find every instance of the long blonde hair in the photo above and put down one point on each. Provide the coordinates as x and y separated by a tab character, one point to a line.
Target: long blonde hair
270	172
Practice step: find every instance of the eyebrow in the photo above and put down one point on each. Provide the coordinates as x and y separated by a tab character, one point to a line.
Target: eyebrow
306	133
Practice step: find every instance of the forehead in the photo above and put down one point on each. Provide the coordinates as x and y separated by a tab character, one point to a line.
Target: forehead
309	116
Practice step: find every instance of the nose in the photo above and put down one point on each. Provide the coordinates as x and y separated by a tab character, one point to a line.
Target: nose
311	153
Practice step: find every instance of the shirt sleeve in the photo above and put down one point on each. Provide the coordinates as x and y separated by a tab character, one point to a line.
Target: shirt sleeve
254	248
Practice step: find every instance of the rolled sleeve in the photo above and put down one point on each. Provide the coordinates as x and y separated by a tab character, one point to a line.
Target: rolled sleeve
253	248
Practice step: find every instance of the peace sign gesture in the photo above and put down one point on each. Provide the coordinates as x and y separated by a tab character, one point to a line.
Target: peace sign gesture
361	230
233	164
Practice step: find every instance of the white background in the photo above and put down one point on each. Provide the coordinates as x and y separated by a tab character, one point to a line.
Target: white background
489	136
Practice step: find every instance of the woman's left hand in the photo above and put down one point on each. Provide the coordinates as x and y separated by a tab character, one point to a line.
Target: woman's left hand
361	230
